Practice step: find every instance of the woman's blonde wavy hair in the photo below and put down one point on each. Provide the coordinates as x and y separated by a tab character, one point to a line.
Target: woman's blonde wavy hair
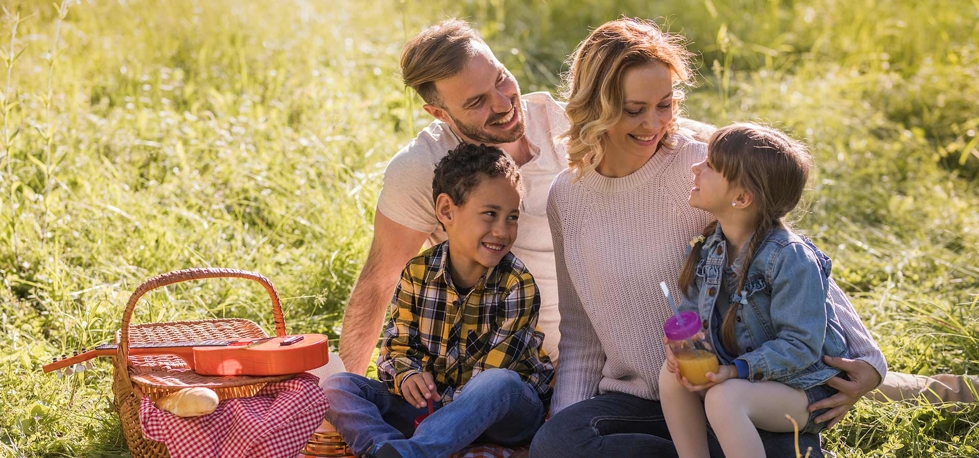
594	83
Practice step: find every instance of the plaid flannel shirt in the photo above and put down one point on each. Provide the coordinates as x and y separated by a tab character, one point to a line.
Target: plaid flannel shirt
432	329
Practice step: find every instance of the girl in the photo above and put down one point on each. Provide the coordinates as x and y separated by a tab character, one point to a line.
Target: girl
761	292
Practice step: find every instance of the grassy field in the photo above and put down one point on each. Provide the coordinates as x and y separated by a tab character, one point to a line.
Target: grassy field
140	137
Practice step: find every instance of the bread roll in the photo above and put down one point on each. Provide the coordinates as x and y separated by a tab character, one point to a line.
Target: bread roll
190	402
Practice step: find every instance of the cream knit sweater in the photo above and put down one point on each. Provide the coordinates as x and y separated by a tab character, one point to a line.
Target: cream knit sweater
615	239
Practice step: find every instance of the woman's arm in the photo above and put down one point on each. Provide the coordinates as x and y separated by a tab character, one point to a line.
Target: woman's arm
862	346
582	357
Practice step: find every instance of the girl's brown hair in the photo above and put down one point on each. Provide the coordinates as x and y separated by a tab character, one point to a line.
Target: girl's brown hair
595	79
774	169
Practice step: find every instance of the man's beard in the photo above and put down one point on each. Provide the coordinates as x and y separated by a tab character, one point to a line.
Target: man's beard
479	135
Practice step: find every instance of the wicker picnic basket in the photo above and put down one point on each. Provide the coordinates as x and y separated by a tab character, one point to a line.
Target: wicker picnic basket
136	377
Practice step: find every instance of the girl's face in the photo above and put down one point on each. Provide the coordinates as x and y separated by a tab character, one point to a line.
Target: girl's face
711	191
647	112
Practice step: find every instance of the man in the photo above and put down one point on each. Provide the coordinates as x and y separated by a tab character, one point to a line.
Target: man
475	99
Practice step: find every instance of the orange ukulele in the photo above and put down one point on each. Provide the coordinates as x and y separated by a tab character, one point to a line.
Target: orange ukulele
280	355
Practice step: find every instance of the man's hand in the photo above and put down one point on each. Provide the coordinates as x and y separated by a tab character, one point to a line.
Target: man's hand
863	378
418	388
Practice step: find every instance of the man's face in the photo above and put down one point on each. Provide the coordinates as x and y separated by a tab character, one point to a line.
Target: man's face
482	102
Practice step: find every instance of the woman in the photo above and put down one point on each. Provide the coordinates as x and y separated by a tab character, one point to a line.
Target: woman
621	224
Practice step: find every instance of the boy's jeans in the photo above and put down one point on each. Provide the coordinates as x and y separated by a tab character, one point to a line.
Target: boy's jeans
495	405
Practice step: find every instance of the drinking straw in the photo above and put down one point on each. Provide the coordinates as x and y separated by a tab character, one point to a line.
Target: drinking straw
669	298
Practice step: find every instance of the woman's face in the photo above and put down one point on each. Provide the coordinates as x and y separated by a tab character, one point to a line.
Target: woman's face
647	112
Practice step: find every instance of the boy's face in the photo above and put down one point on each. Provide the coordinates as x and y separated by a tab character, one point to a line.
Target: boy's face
481	230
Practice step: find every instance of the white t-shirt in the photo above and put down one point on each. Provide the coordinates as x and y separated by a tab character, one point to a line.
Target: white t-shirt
406	197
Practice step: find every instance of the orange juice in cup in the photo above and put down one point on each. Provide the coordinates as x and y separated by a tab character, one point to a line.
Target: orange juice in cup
690	347
695	364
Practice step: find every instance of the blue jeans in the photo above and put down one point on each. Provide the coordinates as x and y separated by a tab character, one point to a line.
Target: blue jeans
495	405
615	424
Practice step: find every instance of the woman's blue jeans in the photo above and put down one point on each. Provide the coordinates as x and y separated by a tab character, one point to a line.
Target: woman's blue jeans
620	425
496	406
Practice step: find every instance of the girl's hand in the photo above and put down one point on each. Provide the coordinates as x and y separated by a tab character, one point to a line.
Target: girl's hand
418	388
723	373
671	364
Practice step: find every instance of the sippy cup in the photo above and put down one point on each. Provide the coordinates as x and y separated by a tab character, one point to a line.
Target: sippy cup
690	347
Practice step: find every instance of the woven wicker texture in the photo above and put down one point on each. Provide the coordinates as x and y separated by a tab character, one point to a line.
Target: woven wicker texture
156	376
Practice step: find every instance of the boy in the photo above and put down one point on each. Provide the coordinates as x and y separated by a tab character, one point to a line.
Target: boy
462	336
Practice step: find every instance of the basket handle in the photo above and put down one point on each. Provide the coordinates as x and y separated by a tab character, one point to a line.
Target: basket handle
198	273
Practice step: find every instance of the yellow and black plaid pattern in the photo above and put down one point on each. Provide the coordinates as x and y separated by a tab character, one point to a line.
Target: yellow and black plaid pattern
434	329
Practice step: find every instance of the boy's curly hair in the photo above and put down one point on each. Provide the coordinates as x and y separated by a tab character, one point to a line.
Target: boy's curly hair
459	172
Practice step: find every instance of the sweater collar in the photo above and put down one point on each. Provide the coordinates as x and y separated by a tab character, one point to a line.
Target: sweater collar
651	169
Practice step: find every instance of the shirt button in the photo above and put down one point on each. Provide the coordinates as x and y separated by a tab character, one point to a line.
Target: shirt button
748	350
705	324
739	319
712	291
719	250
758	376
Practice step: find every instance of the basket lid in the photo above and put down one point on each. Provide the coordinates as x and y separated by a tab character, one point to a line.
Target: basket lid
155	372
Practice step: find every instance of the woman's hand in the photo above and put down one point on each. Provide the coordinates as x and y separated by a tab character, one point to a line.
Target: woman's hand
418	388
862	379
723	373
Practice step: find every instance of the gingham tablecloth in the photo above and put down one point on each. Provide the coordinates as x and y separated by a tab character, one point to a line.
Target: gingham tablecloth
274	423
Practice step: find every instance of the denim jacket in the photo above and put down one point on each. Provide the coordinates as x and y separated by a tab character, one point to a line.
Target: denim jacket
786	321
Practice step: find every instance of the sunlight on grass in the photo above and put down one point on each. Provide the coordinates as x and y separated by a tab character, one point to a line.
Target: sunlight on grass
141	137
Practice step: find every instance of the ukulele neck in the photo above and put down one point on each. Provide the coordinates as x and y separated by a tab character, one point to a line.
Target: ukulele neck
203	343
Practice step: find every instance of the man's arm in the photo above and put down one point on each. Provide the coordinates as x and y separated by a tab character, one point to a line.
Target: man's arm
864	372
393	245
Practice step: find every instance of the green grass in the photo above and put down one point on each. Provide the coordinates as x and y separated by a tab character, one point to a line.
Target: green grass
158	135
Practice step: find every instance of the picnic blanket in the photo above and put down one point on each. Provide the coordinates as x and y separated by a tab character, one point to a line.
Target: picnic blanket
274	423
490	451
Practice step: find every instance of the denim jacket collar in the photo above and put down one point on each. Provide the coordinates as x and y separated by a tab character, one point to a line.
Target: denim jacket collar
714	252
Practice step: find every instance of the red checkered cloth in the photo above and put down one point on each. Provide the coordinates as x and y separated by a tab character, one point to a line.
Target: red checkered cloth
489	451
274	423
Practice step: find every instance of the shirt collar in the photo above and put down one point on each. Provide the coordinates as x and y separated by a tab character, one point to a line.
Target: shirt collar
440	263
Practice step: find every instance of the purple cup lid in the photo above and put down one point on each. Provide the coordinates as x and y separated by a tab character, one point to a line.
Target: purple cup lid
686	327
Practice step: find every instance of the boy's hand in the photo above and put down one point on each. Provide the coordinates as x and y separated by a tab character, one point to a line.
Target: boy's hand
418	388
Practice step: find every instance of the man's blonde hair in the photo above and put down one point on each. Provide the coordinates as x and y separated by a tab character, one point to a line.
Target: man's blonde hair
438	52
594	83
